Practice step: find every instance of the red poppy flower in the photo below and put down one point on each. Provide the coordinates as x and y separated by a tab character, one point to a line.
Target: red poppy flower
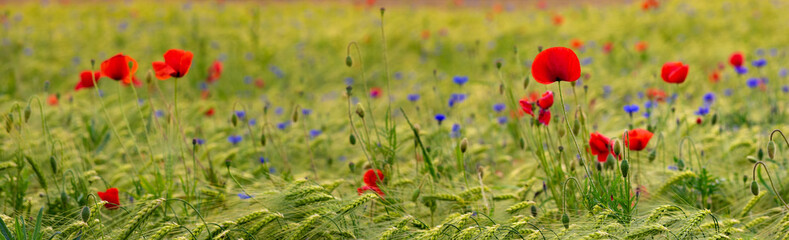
53	100
205	94
365	188
637	139
674	72
375	92
641	46
210	112
544	117
607	47
715	77
425	34
577	43
736	59
698	120
111	196
546	101
556	64
600	146
214	72
371	180
119	68
176	64
527	106
557	19
86	79
656	95
260	83
649	4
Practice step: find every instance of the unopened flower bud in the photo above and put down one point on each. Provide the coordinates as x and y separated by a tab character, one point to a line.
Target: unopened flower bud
360	110
771	149
348	61
463	145
263	139
754	188
27	113
234	120
295	117
566	221
85	214
352	139
625	167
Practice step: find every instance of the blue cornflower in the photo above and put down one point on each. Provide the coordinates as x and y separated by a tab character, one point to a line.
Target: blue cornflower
460	80
413	97
252	122
456	98
440	118
398	75
759	62
709	98
278	72
315	133
234	139
101	93
630	109
741	70
349	81
760	52
498	107
203	86
783	72
586	61
140	101
248	79
785	88
243	196
263	159
272	170
159	113
752	82
283	125
241	114
728	92
649	104
606	91
455	131
306	111
502	119
278	110
703	110
198	141
647	114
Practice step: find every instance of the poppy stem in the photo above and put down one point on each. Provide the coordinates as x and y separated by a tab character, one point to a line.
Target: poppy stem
572	134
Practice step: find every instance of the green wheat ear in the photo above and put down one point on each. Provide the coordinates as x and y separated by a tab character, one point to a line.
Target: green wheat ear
518	206
163	231
756	222
599	235
304	227
138	219
255	228
467	233
658	212
647	231
691	223
674	180
356	203
751	203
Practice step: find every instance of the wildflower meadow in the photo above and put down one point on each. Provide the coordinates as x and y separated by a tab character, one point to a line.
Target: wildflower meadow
364	119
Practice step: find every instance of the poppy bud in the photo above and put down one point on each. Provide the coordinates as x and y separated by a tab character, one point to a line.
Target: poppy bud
625	167
360	110
652	155
63	197
348	61
149	77
352	166
752	159
760	154
348	91
263	139
771	149
680	164
85	214
415	194
228	161
27	113
533	211
417	127
526	83
498	64
353	139
754	188
234	120
53	164
501	89
617	147
463	145
714	119
566	221
561	132
539	49
580	115
295	117
576	127
599	166
561	148
382	11
523	144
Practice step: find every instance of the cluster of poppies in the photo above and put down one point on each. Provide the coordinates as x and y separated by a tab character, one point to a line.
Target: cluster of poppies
543	102
122	68
602	146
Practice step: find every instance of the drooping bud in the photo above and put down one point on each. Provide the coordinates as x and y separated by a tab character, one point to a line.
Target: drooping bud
501	89
53	164
85	214
714	119
760	154
295	116
576	127
149	77
463	145
771	149
27	113
625	167
348	61
580	115
533	211
234	120
526	83
652	155
352	139
522	143
263	139
360	110
680	164
754	188
566	221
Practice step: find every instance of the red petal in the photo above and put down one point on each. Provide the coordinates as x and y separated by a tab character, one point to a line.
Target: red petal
186	62
556	64
116	68
679	75
163	71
